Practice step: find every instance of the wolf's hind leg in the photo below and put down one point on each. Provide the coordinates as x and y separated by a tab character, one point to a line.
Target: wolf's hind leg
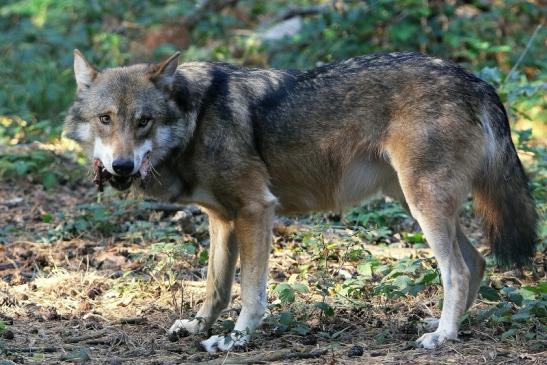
434	197
220	275
441	235
475	264
393	190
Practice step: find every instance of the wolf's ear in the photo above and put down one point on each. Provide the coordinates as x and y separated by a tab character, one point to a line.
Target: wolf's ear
85	73
165	70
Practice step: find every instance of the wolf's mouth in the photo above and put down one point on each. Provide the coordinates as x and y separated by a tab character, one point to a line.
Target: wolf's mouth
102	175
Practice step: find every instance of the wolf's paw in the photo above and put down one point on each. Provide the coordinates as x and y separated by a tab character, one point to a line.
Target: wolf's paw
184	327
435	339
225	343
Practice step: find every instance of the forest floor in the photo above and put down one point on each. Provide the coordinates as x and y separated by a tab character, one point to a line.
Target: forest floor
83	281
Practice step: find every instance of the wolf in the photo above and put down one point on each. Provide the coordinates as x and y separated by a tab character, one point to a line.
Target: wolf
246	144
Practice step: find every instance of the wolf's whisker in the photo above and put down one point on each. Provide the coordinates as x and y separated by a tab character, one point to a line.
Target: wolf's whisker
154	171
155	174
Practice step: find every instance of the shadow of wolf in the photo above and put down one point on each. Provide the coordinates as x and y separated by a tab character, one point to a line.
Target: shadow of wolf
246	144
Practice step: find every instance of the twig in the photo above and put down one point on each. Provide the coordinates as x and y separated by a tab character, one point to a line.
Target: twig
84	337
269	357
47	349
170	207
517	64
11	202
10	265
131	320
225	358
98	341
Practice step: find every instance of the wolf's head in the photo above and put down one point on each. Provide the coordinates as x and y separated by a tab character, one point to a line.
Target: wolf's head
128	119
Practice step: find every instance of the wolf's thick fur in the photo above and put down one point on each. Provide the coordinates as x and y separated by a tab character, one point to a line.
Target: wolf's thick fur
246	144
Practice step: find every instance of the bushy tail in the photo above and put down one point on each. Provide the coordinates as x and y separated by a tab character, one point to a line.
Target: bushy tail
501	192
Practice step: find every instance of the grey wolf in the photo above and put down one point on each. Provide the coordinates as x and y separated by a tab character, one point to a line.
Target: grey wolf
246	144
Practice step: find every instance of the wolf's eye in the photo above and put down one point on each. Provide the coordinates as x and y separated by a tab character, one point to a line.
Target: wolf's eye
143	122
105	119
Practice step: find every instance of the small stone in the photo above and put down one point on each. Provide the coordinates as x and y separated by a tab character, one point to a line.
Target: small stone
173	337
116	361
309	340
50	314
356	350
94	292
8	335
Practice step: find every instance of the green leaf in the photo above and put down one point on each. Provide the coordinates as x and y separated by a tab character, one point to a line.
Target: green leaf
325	308
403	281
204	257
47	218
521	316
539	288
365	270
539	309
286	318
99	213
188	248
299	287
490	74
301	329
416	237
49	180
430	277
515	298
489	293
285	293
21	167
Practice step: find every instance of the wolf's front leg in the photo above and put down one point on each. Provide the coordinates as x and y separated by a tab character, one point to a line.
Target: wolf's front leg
254	233
220	275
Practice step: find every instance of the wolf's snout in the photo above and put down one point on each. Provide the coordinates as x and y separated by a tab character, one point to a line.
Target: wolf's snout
123	167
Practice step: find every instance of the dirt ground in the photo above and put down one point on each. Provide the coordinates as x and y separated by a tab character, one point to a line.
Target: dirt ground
102	299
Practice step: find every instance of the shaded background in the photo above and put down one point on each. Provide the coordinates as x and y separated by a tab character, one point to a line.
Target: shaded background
37	38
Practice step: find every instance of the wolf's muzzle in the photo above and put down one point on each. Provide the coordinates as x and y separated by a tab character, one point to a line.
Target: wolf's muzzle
123	166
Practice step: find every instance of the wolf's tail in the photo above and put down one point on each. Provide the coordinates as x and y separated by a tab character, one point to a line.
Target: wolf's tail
501	193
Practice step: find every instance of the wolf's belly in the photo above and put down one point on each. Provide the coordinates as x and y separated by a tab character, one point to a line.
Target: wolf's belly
319	190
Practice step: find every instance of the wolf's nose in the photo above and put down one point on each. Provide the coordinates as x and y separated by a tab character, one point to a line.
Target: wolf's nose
123	167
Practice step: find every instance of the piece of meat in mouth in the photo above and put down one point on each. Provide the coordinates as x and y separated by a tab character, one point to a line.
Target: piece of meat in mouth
102	176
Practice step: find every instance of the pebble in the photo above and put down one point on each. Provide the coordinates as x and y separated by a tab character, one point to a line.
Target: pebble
356	350
8	335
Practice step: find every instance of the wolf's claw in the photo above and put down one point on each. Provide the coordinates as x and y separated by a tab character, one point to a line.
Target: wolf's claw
191	326
435	339
225	343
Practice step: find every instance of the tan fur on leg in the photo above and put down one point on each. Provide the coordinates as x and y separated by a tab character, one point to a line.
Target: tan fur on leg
220	275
